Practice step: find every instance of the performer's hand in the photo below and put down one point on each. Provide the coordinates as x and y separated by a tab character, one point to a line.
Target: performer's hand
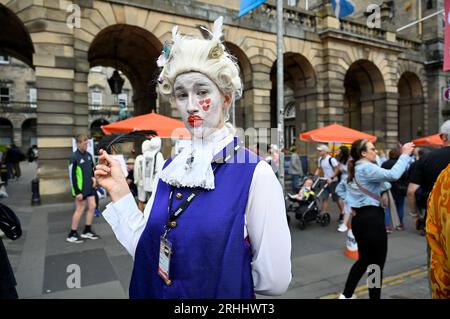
110	176
79	197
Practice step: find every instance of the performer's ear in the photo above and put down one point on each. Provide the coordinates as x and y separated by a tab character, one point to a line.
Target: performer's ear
226	101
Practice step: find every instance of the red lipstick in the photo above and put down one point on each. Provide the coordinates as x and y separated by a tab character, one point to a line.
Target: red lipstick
195	121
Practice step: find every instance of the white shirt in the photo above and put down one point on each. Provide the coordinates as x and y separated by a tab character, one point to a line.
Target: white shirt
324	163
265	224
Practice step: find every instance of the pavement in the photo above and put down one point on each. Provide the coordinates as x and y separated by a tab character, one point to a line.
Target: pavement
46	266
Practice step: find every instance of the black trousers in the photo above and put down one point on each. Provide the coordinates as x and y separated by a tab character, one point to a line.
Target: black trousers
370	233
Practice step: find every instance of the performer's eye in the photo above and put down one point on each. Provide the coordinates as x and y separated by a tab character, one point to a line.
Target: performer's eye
203	92
181	95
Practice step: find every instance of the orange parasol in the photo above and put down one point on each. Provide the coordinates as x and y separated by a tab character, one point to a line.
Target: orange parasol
163	125
335	133
432	140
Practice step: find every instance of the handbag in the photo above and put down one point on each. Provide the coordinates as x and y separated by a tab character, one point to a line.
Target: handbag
9	223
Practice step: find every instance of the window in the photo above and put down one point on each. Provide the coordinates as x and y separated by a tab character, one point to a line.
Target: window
96	99
430	4
289	111
5	97
292	3
32	96
4	59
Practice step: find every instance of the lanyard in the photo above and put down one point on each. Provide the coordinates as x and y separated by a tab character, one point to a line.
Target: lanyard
174	215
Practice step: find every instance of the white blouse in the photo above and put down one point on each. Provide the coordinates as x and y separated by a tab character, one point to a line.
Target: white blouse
265	224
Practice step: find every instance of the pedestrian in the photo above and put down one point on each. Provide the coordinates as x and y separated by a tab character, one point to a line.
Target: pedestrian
343	157
83	184
365	180
328	167
438	236
418	199
424	175
295	170
13	158
398	191
217	225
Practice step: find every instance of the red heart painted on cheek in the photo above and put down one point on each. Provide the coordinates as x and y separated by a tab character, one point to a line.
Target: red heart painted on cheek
208	101
206	108
201	102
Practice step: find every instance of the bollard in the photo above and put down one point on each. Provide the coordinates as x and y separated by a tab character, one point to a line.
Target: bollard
35	196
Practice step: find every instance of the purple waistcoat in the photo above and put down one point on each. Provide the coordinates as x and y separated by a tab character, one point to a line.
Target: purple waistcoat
210	257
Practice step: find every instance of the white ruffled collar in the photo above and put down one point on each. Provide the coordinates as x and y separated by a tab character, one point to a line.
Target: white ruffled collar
199	174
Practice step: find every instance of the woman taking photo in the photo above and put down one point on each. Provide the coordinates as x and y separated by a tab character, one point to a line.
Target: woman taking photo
215	226
365	179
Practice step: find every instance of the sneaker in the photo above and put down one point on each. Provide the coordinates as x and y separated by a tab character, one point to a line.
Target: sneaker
75	238
341	296
342	228
400	227
389	229
90	235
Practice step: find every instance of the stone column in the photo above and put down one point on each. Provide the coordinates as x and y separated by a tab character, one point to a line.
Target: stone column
55	110
17	136
262	85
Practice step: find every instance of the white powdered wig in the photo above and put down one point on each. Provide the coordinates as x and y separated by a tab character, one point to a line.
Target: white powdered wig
189	54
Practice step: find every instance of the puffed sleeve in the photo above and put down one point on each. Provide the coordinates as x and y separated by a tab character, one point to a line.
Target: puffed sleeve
268	232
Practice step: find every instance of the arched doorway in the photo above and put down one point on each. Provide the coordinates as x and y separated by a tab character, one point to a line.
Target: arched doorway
29	133
410	107
133	51
6	131
16	42
365	97
244	106
300	97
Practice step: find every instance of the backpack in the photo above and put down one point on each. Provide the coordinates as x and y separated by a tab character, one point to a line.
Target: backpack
9	223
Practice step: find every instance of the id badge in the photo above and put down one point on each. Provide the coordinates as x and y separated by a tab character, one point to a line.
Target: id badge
165	252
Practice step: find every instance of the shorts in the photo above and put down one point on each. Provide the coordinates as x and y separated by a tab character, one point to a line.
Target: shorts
331	189
88	193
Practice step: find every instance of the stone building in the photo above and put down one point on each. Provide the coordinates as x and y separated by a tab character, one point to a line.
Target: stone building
374	79
18	102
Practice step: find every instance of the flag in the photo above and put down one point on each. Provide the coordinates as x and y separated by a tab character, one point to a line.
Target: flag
343	8
447	36
248	5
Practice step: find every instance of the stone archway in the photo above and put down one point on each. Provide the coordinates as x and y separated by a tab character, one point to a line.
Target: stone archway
243	107
300	84
17	41
6	131
365	97
134	51
29	133
410	107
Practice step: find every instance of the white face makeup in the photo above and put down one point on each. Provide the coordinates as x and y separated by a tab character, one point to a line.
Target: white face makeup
200	103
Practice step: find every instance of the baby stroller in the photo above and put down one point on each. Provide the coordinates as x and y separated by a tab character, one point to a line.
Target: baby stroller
308	209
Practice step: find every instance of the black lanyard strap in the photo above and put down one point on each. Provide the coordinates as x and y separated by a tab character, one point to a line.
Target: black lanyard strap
173	216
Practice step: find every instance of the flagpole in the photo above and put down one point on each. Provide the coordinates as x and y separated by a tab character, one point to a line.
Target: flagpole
280	90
